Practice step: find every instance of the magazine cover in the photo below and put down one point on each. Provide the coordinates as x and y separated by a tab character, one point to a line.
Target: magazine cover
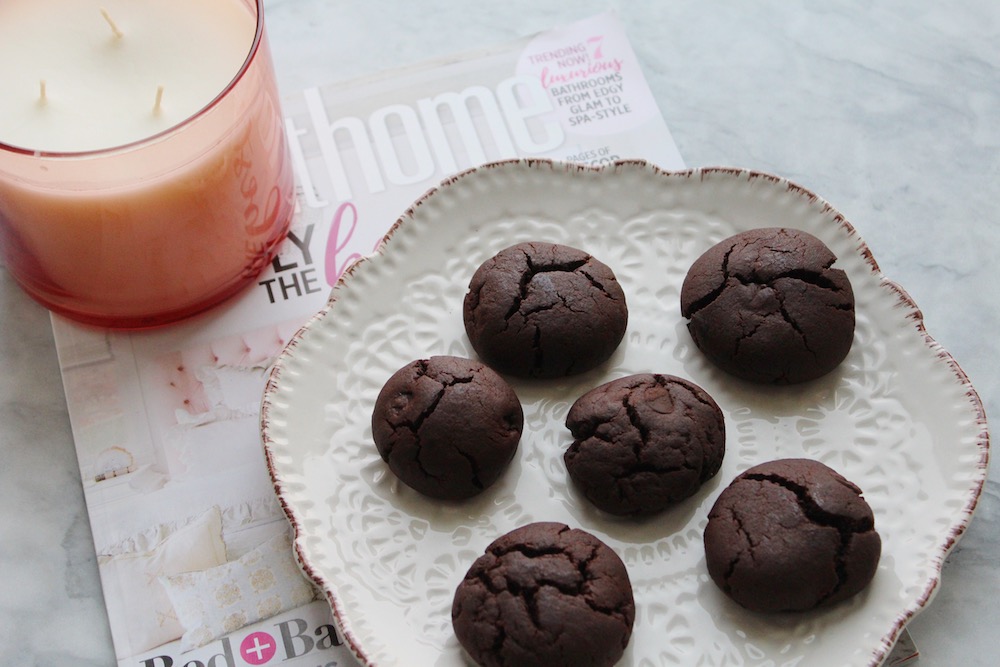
193	549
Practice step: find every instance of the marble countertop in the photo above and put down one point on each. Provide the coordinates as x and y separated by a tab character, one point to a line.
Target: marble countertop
889	110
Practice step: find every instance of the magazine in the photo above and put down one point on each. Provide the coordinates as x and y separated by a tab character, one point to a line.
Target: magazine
193	548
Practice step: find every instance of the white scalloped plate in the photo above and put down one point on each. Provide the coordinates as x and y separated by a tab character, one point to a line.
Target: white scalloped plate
899	418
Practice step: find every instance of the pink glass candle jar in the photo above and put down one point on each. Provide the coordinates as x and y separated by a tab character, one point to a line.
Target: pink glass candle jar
144	173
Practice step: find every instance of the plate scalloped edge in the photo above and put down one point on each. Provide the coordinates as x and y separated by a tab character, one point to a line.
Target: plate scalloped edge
272	447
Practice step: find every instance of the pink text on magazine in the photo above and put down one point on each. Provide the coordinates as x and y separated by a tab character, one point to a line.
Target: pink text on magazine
263	648
296	277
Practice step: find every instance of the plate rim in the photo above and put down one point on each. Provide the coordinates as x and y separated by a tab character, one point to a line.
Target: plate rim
914	314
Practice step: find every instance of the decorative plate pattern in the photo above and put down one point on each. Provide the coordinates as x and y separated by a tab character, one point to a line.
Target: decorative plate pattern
898	417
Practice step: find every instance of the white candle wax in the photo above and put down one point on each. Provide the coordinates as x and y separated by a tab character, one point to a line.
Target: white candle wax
163	228
71	84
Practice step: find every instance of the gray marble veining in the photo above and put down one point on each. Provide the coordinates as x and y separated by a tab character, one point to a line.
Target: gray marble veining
889	110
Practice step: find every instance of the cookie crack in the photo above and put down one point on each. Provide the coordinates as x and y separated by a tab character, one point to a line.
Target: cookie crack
638	424
530	551
413	425
755	326
785	315
532	271
417	423
641	466
745	333
846	527
473	298
587	577
688	398
738	558
501	637
714	294
595	283
473	467
426	413
814	278
559	267
811	508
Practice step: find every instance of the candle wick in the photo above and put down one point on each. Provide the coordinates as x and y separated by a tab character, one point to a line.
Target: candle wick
42	96
159	100
111	22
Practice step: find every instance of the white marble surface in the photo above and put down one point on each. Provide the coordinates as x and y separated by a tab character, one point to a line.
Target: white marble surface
889	110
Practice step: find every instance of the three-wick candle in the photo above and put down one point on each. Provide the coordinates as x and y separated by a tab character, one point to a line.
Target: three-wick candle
144	174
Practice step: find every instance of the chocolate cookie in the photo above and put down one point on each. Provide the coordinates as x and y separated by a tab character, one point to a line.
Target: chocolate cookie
644	442
544	310
545	595
447	426
767	306
791	535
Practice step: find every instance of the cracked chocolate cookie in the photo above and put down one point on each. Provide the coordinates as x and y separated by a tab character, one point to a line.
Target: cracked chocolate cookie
767	306
791	535
545	595
544	310
447	426
644	442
